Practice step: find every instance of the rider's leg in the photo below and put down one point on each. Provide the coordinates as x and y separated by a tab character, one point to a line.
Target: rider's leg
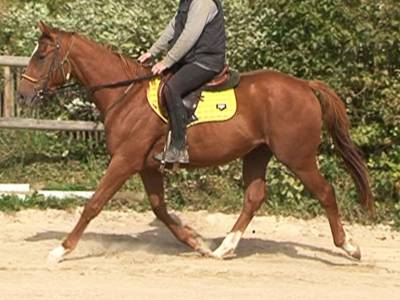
178	119
187	79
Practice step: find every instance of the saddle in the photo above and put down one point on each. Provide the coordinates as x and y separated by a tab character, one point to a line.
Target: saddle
225	80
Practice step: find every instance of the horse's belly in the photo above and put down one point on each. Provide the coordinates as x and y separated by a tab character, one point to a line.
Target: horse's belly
215	144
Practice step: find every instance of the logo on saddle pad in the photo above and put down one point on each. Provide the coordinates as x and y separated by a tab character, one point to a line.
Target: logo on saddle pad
213	106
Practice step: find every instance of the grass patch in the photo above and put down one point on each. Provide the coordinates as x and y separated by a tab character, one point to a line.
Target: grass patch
13	203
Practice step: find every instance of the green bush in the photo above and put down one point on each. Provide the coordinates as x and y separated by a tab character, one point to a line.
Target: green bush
353	45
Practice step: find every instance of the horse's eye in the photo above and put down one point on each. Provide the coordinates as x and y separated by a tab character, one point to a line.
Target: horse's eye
41	52
40	55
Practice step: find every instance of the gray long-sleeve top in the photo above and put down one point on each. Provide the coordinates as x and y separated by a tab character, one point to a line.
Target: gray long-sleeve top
201	12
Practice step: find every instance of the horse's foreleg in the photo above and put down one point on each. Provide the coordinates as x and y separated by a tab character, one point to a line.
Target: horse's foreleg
254	166
117	173
153	183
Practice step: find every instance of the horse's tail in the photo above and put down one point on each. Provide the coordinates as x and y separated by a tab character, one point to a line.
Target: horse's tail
337	122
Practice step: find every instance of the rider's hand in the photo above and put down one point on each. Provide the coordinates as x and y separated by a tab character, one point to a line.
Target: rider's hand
158	68
145	57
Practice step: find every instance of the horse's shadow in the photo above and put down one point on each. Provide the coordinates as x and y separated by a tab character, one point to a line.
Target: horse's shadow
159	240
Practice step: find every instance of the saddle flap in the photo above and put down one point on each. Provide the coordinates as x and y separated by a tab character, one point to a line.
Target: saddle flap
213	106
161	98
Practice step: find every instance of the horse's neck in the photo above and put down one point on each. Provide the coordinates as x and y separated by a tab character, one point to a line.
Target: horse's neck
95	65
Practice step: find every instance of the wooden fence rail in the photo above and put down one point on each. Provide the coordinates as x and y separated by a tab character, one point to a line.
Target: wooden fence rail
13	61
10	84
11	71
52	125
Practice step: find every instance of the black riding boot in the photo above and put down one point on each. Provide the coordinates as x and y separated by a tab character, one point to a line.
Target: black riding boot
177	150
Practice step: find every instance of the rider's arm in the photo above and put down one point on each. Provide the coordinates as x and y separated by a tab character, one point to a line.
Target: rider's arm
201	12
162	43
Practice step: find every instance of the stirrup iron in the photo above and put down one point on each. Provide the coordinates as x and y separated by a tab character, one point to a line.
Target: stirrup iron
166	146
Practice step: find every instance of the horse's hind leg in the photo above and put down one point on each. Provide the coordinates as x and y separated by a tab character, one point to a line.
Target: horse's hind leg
254	166
153	183
311	177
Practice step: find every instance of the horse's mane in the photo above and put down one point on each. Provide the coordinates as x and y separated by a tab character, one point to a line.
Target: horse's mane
129	65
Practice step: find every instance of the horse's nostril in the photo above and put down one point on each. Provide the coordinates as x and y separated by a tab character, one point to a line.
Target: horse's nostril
23	99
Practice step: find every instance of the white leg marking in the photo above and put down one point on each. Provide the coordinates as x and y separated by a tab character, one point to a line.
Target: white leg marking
56	255
228	246
351	248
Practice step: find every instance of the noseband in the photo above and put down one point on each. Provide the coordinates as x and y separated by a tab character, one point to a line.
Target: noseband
54	67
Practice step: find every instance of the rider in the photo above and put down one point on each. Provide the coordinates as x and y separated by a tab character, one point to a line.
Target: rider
195	39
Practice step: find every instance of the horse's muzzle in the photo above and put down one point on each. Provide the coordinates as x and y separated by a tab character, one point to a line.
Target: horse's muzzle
27	95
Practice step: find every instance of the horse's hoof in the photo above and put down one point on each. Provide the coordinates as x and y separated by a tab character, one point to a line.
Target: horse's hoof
204	252
197	243
351	249
228	246
203	248
56	255
225	255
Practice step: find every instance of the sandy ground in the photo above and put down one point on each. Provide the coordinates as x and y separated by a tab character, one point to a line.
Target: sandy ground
127	255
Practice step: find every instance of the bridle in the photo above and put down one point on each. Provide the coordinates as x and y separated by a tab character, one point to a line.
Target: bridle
57	64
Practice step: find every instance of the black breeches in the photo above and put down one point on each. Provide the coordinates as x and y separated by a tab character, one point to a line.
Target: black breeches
187	79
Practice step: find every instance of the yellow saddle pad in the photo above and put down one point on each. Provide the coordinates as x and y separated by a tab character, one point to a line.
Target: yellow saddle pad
214	106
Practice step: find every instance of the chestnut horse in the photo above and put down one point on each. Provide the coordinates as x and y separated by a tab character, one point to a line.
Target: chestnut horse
277	115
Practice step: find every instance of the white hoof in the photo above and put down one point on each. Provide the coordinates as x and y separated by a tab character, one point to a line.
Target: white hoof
228	246
224	254
56	255
351	248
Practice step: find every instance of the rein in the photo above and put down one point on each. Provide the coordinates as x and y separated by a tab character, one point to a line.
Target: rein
130	83
118	84
96	88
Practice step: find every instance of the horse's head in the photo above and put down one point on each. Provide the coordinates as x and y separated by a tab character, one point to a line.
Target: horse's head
49	67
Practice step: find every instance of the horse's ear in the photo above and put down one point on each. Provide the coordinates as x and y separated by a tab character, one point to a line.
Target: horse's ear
46	30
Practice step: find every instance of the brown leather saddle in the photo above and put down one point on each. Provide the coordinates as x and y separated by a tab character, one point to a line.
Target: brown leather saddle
226	79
